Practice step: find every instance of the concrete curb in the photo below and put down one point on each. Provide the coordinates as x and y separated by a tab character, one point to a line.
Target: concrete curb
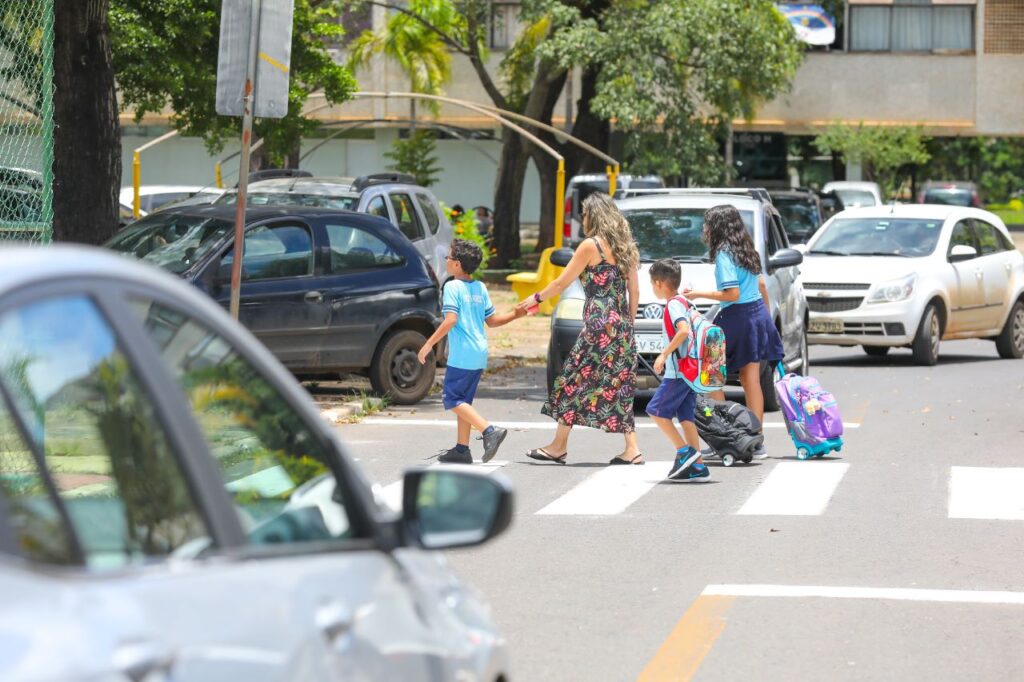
351	410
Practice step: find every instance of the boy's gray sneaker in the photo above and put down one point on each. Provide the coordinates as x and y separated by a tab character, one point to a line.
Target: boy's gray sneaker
453	456
492	441
760	452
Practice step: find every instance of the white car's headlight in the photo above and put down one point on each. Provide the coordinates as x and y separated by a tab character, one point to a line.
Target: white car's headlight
569	309
892	291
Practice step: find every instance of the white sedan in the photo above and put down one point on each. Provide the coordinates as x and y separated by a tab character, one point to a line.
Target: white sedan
913	275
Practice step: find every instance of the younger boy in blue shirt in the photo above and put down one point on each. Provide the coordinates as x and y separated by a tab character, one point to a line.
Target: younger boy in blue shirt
466	307
674	397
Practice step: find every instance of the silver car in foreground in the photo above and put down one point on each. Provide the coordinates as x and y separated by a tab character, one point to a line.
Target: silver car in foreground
173	507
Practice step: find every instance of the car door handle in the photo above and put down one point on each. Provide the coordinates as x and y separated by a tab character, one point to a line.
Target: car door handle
313	297
138	660
333	619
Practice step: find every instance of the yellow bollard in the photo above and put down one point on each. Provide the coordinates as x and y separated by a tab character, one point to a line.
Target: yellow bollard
613	176
559	203
136	181
218	179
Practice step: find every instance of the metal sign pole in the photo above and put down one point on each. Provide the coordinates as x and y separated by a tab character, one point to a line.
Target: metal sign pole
249	101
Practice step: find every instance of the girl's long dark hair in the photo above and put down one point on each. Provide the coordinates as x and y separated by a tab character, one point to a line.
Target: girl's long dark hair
724	231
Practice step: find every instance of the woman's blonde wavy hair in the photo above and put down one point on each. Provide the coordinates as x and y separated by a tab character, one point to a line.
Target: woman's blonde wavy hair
605	220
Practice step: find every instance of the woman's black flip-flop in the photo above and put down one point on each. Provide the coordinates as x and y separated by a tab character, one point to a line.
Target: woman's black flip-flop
542	455
619	460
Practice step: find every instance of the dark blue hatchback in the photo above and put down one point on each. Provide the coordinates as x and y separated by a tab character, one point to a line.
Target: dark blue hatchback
327	291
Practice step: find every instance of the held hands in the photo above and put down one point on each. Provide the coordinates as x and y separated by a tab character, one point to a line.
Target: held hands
424	352
659	364
518	312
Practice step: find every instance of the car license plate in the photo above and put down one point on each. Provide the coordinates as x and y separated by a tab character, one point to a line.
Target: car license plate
649	343
820	326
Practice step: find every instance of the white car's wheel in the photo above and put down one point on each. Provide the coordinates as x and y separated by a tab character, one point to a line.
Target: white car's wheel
1010	342
929	334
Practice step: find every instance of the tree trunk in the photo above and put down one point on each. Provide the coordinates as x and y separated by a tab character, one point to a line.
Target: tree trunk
588	127
87	134
508	191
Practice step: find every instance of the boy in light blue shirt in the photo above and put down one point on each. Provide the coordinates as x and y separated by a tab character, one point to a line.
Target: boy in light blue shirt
466	307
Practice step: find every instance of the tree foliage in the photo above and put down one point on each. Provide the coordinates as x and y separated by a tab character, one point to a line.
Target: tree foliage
996	164
416	156
165	56
886	153
674	74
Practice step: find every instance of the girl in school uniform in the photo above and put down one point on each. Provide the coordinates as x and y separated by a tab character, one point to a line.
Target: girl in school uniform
750	334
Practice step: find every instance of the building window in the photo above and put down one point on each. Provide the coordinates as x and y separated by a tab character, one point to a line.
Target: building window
912	26
505	26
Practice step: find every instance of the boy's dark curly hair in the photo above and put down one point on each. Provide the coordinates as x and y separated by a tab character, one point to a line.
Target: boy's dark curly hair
724	231
468	254
667	271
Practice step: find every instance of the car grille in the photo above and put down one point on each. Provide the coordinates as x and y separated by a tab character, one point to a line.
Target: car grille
833	305
864	329
658	311
836	286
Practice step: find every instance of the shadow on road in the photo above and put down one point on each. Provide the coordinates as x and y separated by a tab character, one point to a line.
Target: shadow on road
897	360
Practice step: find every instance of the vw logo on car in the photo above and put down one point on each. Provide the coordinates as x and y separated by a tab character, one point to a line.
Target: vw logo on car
654	311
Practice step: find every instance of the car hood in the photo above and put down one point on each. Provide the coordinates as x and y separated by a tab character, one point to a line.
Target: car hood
855	269
700	276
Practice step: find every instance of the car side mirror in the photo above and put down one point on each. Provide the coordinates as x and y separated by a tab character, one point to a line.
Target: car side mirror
785	258
962	252
449	507
800	248
561	257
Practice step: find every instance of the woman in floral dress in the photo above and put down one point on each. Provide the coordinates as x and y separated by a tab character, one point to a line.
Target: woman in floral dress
598	382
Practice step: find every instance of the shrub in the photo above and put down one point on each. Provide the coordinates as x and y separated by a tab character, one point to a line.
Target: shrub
467	227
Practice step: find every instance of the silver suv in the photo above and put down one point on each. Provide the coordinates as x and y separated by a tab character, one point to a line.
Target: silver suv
668	223
580	187
413	209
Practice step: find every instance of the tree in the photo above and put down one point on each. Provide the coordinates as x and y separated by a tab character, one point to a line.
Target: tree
87	133
996	164
887	153
674	75
165	55
415	156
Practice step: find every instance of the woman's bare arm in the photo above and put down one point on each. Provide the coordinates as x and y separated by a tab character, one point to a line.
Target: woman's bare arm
585	253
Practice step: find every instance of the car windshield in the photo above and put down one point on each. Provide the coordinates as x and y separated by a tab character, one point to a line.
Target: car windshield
173	242
673	232
883	236
799	216
856	197
349	203
949	196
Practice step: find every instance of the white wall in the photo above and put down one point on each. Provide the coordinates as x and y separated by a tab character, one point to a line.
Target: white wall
467	174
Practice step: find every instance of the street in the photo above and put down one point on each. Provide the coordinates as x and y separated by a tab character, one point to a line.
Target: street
899	560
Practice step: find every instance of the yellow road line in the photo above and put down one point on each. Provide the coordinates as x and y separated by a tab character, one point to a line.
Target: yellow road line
691	639
273	62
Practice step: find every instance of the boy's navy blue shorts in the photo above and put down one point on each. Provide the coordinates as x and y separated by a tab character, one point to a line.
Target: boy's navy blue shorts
674	398
460	386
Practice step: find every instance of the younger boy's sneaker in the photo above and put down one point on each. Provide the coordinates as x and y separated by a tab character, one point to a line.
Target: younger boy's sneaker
456	456
760	452
684	461
492	439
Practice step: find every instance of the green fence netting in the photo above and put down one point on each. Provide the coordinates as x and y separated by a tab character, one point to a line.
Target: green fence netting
26	120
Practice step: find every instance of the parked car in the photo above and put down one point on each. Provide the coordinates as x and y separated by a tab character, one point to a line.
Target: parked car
152	197
854	194
951	193
394	196
801	212
669	224
327	291
580	187
912	275
175	507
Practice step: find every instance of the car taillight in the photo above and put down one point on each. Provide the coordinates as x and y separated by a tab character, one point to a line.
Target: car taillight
567	219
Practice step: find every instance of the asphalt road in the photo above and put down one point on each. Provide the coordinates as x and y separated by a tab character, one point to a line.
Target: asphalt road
850	568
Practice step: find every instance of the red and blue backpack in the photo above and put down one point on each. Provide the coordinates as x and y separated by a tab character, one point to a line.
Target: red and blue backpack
702	365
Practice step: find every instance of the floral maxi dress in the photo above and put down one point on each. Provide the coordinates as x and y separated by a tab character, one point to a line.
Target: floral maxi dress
598	382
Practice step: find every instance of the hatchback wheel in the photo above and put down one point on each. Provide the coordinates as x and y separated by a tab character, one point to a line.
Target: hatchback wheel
1010	342
771	400
926	342
396	371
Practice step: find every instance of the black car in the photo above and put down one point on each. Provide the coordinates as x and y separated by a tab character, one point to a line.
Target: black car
327	291
801	213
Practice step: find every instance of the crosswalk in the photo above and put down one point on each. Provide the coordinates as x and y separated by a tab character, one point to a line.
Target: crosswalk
776	488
